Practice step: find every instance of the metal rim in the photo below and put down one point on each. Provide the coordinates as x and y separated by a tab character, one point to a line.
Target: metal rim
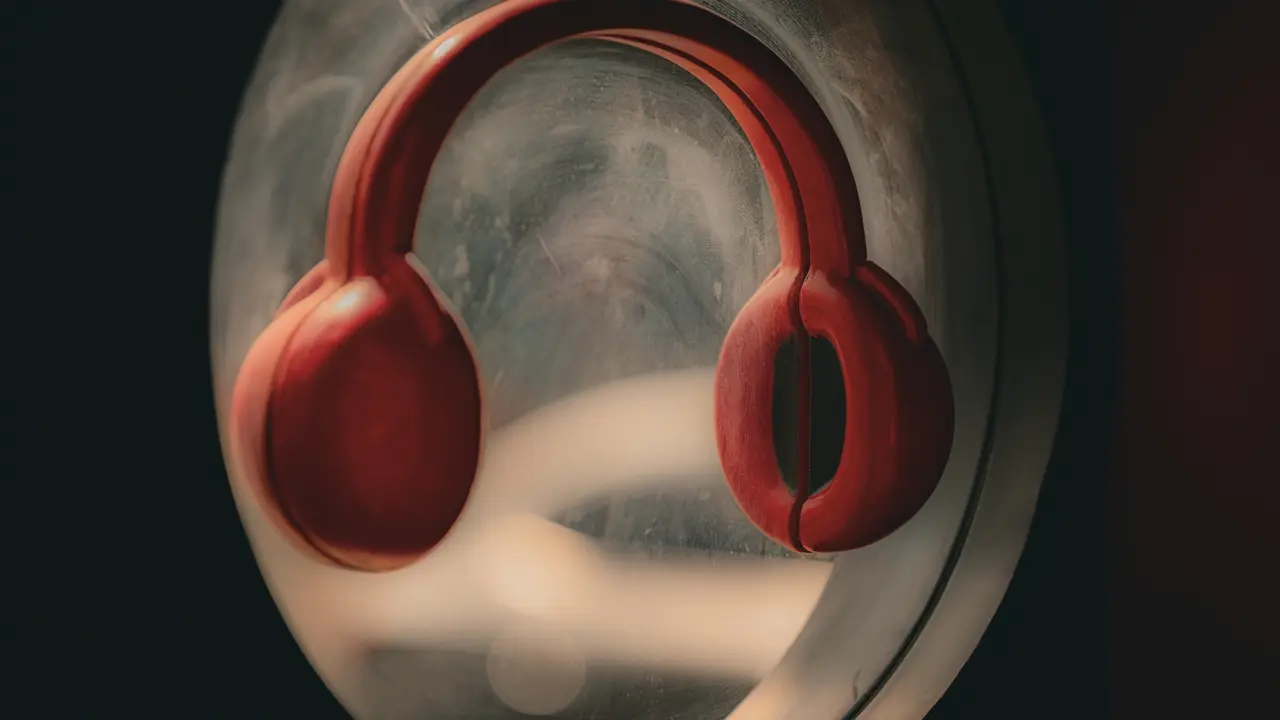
1032	363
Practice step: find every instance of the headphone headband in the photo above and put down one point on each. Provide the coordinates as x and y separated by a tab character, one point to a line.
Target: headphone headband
383	173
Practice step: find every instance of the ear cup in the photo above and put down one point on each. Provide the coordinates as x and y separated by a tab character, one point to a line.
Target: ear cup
304	288
368	401
899	411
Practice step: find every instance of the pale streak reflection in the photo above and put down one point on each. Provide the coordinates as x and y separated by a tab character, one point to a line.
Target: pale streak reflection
505	566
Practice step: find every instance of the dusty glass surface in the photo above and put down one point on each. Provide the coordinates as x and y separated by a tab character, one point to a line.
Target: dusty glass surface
597	219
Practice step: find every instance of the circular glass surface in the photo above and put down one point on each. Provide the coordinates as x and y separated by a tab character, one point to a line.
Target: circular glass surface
597	219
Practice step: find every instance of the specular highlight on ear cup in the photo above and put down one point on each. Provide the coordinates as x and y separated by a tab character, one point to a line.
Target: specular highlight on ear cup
372	425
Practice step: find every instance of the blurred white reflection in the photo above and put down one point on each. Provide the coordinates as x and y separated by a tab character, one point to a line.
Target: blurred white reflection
509	578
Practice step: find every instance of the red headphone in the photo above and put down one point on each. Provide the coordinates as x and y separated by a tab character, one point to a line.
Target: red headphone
358	412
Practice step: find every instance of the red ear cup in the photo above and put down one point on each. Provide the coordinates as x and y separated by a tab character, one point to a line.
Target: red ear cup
899	411
359	413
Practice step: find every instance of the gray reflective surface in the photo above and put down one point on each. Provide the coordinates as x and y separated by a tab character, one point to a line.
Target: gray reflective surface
598	220
596	214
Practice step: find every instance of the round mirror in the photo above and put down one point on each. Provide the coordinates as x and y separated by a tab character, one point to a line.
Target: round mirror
598	219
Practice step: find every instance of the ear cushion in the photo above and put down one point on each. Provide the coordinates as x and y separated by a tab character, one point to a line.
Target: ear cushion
368	401
247	419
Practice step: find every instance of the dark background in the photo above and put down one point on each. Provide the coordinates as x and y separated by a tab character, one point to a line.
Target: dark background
144	597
